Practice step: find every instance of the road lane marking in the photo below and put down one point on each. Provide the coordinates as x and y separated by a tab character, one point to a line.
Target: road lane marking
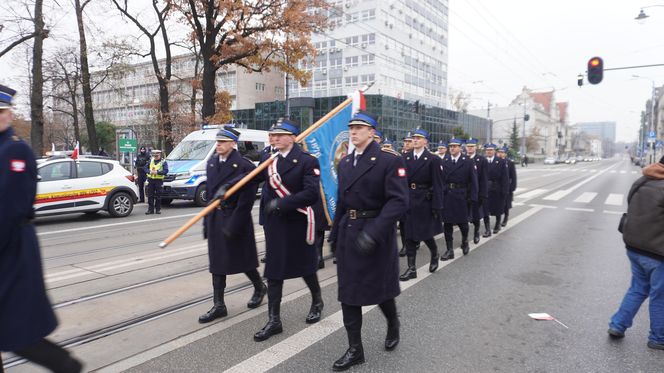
623	172
579	209
614	199
593	170
612	212
634	172
114	224
274	355
586	197
543	206
532	194
562	193
613	171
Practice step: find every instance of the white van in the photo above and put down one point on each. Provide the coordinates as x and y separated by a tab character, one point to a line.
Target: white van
186	164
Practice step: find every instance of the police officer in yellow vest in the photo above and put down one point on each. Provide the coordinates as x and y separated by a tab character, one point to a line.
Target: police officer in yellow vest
156	170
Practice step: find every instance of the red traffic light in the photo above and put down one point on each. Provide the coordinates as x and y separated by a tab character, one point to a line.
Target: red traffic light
595	70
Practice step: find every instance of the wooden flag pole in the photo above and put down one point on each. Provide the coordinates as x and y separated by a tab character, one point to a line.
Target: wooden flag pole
214	204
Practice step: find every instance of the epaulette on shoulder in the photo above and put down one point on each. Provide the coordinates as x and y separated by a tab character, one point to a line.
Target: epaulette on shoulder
390	151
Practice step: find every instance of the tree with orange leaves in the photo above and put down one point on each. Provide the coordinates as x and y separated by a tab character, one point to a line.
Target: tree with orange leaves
257	35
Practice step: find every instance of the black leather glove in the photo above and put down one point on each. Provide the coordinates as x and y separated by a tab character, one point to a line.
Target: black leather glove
333	246
219	194
272	207
228	234
364	244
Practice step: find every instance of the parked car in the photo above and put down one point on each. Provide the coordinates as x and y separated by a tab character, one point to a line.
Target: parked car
570	161
86	185
550	160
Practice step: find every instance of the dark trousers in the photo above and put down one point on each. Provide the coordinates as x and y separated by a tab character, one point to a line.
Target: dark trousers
353	314
412	246
154	194
275	288
140	183
449	231
50	356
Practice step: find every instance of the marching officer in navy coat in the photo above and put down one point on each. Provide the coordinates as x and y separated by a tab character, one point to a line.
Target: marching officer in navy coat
372	196
441	150
499	184
264	155
423	218
461	190
480	208
292	187
26	316
407	146
230	228
511	171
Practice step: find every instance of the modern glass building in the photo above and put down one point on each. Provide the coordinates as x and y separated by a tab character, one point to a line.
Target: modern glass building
396	117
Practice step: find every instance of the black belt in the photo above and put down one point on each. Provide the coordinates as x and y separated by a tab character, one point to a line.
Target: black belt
419	186
362	214
457	186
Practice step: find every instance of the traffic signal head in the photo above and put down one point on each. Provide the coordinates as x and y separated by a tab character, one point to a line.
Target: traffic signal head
595	70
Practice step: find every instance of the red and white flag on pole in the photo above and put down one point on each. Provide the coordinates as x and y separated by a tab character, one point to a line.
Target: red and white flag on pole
359	103
74	154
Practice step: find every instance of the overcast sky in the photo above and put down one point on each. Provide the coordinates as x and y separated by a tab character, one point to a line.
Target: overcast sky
503	45
507	44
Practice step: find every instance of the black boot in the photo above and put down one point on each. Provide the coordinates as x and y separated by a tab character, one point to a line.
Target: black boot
476	233
449	254
487	228
259	293
433	264
273	326
392	338
316	308
465	248
504	223
411	271
355	353
219	308
402	252
496	228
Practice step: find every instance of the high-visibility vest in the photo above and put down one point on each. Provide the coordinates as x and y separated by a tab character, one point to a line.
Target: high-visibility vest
157	167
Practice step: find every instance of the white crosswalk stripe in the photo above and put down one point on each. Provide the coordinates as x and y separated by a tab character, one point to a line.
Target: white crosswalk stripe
623	172
614	199
533	193
586	197
556	196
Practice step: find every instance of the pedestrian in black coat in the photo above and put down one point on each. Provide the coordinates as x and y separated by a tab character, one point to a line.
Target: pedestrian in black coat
479	209
230	228
372	196
461	190
142	159
423	217
292	186
499	184
511	171
26	316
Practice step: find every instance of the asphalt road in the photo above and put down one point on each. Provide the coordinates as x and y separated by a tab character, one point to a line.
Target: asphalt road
561	254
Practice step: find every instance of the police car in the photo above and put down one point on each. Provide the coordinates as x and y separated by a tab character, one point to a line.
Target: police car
186	177
85	185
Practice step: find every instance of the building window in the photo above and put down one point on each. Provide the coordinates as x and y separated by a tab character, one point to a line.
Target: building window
368	59
351	81
335	83
335	63
368	78
352	61
260	87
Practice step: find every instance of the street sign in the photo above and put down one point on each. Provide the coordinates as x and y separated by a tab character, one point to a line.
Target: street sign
127	145
652	134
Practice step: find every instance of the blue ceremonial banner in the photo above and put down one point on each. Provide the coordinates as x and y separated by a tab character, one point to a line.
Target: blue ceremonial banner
329	143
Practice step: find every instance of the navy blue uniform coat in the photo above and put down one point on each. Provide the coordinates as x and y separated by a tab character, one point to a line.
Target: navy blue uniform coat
499	185
511	172
287	253
236	254
26	315
377	182
420	222
480	209
457	200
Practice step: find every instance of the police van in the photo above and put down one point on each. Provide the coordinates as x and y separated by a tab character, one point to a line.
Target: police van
186	177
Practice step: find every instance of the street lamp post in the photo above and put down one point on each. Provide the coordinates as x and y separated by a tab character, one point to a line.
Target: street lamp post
651	122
